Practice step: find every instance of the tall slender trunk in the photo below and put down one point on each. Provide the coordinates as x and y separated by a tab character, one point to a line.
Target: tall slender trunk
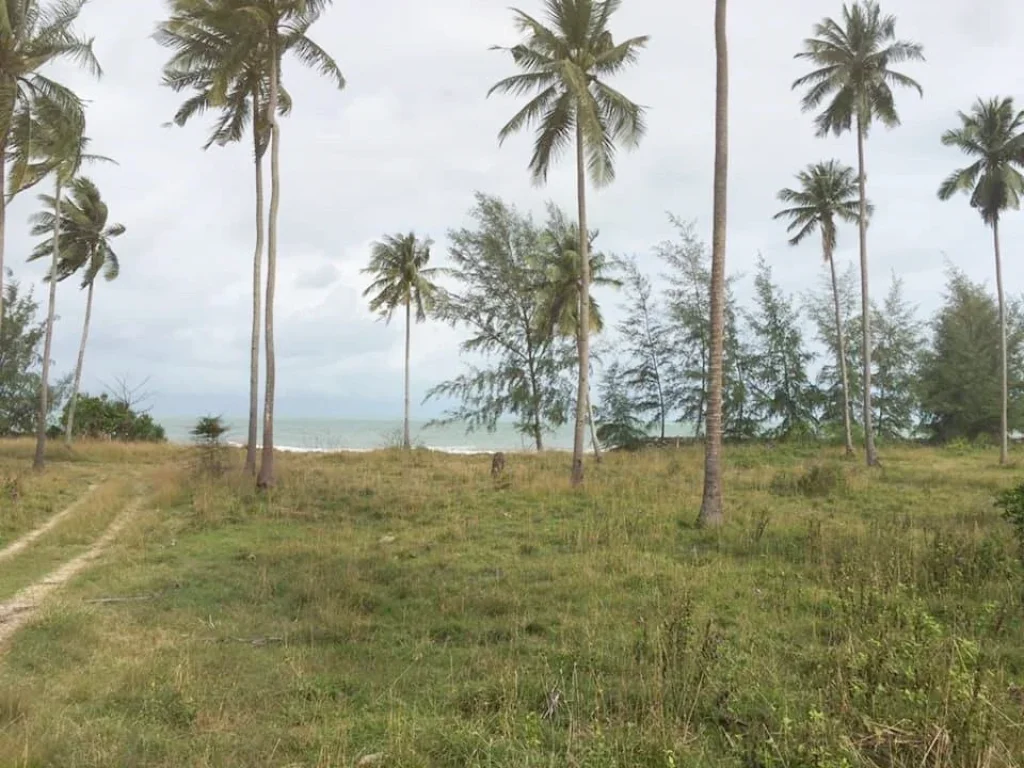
841	345
257	287
69	428
583	332
406	440
711	505
538	428
265	479
44	384
869	432
1003	427
3	224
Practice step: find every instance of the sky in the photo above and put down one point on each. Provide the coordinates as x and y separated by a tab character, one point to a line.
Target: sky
413	136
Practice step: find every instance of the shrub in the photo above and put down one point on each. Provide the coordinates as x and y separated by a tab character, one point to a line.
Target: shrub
207	434
819	480
106	418
1011	502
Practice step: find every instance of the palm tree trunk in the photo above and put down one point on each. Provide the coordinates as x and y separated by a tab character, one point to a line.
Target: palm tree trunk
841	345
265	478
44	384
69	428
406	441
583	331
3	224
1003	427
257	286
869	432
711	505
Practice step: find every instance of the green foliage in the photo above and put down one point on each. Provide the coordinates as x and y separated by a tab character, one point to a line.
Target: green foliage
618	423
560	290
221	56
896	353
565	64
959	377
646	348
21	338
688	333
993	133
401	277
85	236
782	394
107	418
820	480
855	95
34	33
498	267
1011	502
207	434
820	308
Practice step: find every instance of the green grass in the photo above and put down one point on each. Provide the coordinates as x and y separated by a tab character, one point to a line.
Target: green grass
406	605
69	538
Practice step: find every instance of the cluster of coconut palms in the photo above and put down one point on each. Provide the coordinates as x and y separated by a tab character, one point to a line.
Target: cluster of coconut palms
42	137
226	55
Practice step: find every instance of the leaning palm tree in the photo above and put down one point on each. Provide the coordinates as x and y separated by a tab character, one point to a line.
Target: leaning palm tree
827	192
84	244
60	146
993	133
564	63
854	59
32	35
560	306
203	37
401	278
711	513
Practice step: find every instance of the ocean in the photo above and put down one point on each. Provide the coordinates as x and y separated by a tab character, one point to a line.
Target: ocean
322	435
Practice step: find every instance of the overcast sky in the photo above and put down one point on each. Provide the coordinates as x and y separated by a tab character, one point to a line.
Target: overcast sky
413	136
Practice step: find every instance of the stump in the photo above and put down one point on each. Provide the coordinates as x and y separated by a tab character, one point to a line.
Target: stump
497	465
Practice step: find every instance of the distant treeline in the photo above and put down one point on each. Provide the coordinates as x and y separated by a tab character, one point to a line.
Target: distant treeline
934	380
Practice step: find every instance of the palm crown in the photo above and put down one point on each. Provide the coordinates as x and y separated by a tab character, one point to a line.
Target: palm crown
399	265
85	236
827	191
31	36
560	292
993	133
564	64
204	36
854	60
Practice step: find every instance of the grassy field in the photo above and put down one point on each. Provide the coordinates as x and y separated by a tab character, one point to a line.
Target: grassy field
392	610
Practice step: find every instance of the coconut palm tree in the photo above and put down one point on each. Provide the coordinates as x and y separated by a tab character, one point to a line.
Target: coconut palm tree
401	278
253	36
58	145
202	37
564	63
711	514
32	35
84	244
827	192
853	60
559	310
993	133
